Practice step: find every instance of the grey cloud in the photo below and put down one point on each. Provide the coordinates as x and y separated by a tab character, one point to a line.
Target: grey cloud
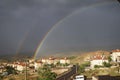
35	17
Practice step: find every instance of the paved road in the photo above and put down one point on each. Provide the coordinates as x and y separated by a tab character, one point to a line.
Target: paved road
68	74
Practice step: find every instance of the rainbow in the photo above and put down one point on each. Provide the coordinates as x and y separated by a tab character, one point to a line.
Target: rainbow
20	44
65	18
60	21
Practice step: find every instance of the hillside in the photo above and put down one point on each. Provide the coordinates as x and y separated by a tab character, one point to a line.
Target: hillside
82	57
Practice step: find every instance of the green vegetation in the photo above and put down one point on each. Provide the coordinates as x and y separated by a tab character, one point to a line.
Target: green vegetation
97	66
50	65
102	71
81	68
72	57
90	73
109	59
58	64
10	70
105	64
1	77
46	74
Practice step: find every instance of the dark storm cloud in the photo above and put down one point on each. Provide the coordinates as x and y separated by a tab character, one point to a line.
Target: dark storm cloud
31	19
90	28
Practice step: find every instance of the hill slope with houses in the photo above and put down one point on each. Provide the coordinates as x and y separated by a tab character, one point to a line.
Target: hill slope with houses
86	56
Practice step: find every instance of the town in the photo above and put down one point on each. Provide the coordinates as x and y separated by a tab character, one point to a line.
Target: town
99	66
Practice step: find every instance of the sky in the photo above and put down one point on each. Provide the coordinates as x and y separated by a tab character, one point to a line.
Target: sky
71	26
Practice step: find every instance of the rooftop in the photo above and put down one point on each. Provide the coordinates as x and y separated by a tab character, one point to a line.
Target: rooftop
116	50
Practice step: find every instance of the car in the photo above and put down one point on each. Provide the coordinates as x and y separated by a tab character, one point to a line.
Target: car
80	77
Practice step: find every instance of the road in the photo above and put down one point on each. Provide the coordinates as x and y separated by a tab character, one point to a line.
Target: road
68	74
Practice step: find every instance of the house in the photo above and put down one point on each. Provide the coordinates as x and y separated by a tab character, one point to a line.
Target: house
50	60
37	65
64	61
115	55
53	60
98	60
20	66
1	68
31	60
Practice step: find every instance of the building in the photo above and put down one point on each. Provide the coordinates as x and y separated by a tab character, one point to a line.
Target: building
31	60
37	65
48	60
21	67
115	55
64	61
53	60
98	60
2	68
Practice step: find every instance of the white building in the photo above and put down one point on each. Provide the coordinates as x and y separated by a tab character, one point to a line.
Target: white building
64	61
53	60
50	60
98	60
31	60
20	66
115	55
37	65
1	68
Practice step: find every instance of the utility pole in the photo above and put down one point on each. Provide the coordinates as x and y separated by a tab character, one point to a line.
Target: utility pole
25	69
76	68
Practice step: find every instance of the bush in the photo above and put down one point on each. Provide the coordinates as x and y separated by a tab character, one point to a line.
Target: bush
109	58
105	64
97	66
81	68
46	74
10	70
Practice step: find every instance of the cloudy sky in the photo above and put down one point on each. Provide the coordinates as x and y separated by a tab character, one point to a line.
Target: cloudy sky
76	25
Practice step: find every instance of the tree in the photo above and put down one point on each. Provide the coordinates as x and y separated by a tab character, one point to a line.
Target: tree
58	64
46	74
81	68
1	77
109	58
87	64
96	66
106	64
10	70
52	65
